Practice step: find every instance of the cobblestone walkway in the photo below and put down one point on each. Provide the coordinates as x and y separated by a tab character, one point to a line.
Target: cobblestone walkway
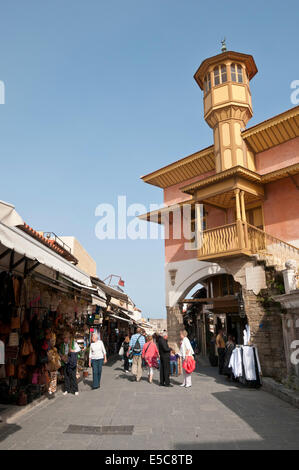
213	414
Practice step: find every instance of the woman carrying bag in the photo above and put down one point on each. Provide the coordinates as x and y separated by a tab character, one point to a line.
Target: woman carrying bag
186	353
150	354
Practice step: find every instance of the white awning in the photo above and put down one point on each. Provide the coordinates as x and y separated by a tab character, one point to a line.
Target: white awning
120	318
98	301
8	215
22	243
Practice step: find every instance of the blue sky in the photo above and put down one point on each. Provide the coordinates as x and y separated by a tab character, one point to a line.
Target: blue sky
99	93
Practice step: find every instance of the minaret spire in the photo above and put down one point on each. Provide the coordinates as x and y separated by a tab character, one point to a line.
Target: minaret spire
223	47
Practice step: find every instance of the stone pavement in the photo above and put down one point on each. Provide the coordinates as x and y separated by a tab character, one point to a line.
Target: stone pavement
213	414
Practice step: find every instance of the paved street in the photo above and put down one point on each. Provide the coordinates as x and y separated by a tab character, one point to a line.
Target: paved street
211	415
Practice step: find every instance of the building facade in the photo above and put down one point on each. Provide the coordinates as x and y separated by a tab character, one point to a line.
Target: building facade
242	194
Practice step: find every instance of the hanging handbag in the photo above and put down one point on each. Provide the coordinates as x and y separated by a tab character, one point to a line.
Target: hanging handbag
13	339
35	377
15	323
2	371
121	351
22	371
25	326
5	329
27	348
32	359
10	369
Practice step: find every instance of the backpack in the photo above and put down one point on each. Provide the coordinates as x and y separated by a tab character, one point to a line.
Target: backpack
137	347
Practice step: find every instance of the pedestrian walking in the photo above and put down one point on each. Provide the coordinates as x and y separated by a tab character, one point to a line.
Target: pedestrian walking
135	349
173	363
150	354
229	347
97	357
186	351
70	379
164	352
126	345
220	344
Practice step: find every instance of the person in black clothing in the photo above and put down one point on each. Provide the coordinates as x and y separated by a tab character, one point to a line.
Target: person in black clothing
126	345
70	380
164	351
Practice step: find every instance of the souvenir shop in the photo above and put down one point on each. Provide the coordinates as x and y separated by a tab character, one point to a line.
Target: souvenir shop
36	322
44	302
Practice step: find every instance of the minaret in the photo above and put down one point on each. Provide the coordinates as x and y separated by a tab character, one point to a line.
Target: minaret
224	80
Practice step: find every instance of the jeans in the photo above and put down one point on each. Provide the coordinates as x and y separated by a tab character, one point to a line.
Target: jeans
96	365
173	365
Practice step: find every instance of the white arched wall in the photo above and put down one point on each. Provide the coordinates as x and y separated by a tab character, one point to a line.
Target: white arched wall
182	276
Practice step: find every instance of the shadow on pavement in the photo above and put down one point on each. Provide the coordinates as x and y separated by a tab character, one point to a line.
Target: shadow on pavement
7	429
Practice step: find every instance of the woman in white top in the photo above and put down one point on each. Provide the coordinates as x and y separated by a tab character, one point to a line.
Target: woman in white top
97	356
185	351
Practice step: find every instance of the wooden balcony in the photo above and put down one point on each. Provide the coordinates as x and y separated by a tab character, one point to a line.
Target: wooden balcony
242	238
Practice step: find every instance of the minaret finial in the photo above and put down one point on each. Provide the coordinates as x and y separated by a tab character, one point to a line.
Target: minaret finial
223	47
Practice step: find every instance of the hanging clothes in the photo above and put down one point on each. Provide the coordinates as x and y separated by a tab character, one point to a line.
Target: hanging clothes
245	365
235	363
2	352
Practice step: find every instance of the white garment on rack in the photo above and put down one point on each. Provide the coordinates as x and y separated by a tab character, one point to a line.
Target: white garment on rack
2	352
236	362
249	364
246	335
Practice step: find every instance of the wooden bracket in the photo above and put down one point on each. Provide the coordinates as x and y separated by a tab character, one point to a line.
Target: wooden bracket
294	181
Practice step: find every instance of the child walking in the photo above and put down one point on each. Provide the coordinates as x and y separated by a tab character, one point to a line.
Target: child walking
173	363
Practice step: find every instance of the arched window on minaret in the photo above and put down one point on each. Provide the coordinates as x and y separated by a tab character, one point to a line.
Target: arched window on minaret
220	74
216	76
223	73
236	73
207	82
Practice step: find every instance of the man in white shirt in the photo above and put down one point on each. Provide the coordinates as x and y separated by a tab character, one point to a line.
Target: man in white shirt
97	356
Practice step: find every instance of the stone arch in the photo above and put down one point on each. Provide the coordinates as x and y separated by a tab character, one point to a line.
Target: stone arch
198	275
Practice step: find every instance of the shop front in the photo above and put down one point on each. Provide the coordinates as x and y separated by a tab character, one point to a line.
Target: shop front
44	301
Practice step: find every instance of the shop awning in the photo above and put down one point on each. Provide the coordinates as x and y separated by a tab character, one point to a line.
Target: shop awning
120	318
8	215
19	241
98	301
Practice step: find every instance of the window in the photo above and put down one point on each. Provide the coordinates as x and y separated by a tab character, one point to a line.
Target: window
240	74
233	72
216	76
220	74
236	73
223	74
207	82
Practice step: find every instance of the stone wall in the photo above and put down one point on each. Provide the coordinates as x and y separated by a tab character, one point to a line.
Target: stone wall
174	325
267	334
